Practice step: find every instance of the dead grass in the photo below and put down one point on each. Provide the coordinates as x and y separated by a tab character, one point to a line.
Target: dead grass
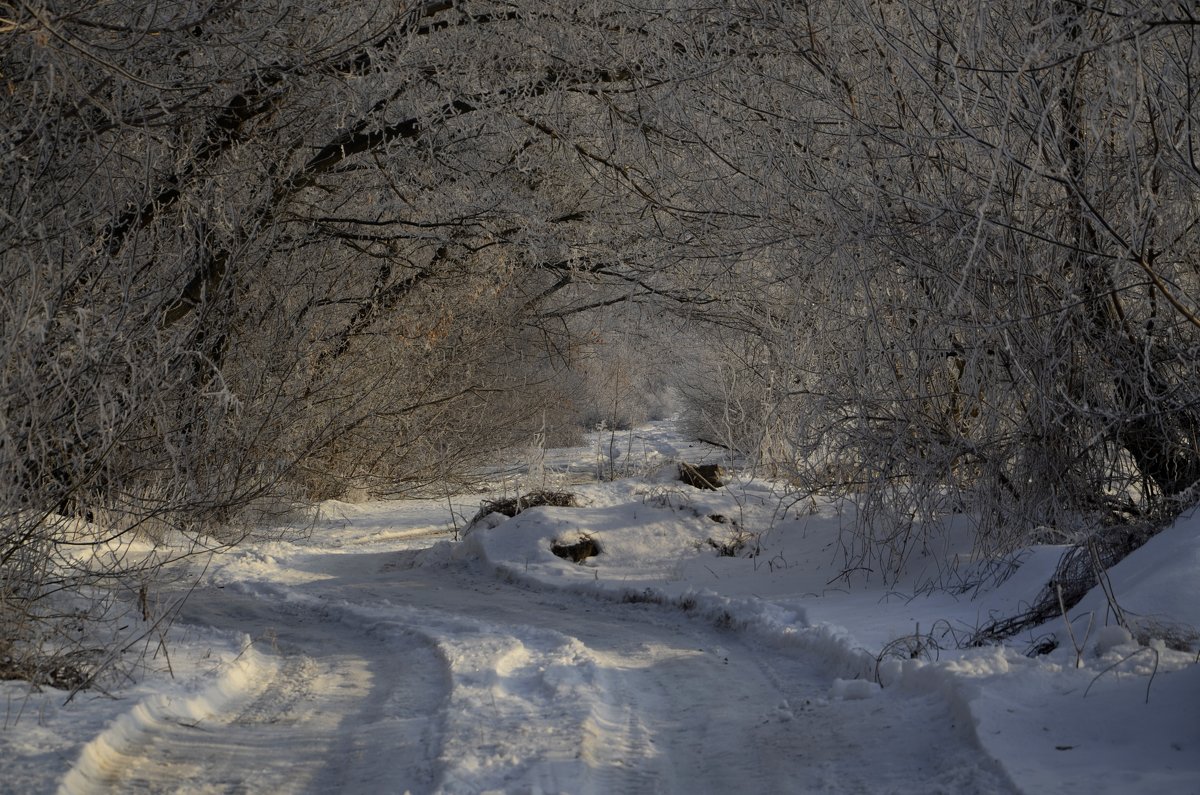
586	547
512	506
702	476
70	671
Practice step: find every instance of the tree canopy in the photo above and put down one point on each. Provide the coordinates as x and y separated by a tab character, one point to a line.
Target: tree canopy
943	255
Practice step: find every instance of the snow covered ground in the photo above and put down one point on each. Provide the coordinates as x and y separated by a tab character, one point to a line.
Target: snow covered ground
385	652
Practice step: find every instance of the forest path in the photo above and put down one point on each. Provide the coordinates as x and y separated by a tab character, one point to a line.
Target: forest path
384	669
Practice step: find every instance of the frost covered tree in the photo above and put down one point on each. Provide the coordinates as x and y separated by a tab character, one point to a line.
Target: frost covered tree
977	219
259	253
255	253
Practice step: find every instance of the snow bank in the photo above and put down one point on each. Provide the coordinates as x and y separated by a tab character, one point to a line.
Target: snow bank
102	759
1158	586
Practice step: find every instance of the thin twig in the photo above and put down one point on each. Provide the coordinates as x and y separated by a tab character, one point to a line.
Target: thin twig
1125	659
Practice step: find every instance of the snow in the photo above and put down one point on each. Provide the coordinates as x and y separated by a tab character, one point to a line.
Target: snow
390	651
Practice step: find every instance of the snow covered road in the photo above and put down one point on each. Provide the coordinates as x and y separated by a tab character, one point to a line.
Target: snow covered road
377	667
716	644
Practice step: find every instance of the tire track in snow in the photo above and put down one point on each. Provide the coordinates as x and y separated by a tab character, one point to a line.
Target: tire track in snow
392	676
331	707
618	745
900	738
663	703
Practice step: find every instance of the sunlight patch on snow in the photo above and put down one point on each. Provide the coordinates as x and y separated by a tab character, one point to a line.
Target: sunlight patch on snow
103	760
536	692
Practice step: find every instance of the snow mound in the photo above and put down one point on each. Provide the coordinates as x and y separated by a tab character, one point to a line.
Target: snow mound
854	689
